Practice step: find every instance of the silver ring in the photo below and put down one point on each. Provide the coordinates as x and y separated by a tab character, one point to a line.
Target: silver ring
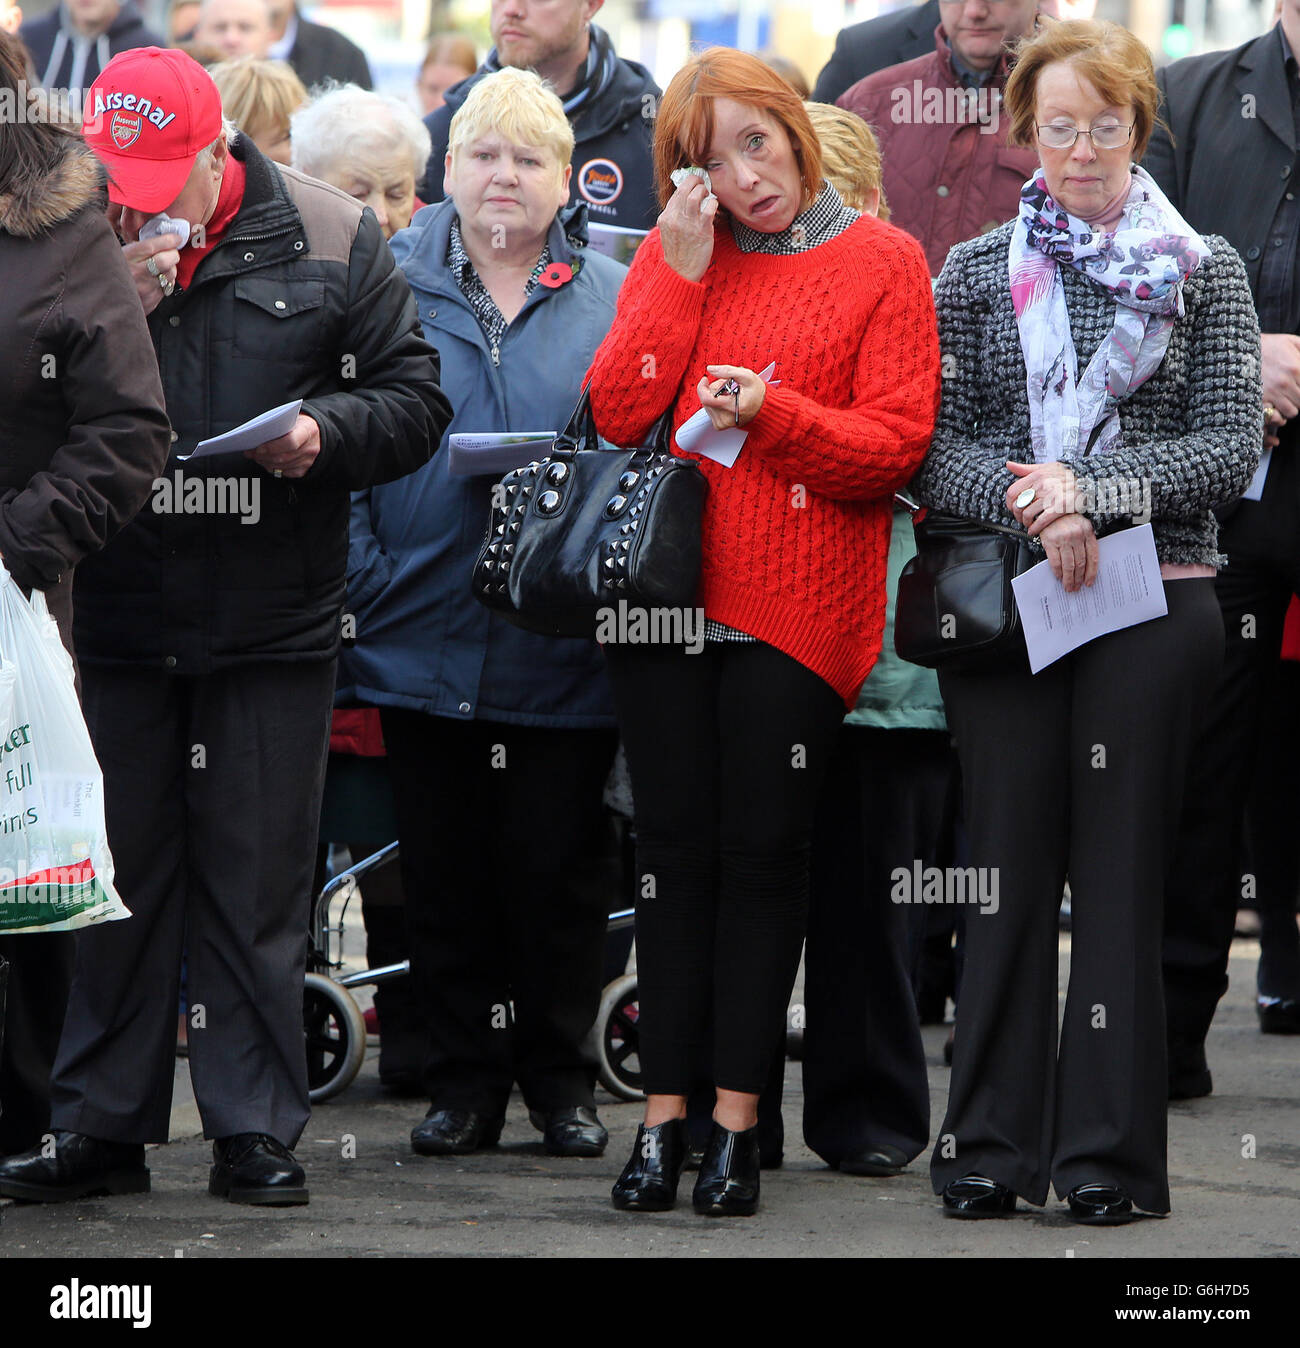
166	285
1026	497
151	266
277	472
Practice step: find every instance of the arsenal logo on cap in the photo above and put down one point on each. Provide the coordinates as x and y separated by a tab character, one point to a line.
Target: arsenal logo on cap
149	113
125	128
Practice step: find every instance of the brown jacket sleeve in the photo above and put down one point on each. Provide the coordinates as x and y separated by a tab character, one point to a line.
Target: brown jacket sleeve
118	434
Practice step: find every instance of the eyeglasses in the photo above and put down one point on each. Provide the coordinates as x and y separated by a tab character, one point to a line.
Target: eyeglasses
1102	137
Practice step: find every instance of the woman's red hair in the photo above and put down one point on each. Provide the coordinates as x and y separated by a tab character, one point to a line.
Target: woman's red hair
684	127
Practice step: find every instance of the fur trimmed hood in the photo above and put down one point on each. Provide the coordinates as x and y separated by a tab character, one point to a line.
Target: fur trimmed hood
35	205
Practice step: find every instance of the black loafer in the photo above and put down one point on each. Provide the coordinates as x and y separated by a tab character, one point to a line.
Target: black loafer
255	1168
571	1132
1100	1205
727	1185
1278	1015
883	1161
649	1179
977	1196
454	1132
81	1167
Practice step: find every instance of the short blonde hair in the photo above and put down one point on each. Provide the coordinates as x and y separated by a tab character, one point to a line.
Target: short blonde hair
850	156
1116	64
519	105
258	96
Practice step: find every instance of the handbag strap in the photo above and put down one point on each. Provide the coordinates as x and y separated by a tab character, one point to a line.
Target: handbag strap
921	514
581	432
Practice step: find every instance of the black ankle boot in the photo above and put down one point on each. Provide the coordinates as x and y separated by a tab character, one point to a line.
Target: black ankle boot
728	1181
649	1179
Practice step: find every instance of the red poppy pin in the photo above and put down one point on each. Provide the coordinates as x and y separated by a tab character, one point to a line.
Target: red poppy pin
556	275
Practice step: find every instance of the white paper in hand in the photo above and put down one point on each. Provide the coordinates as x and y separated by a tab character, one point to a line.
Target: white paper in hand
268	426
1128	590
697	435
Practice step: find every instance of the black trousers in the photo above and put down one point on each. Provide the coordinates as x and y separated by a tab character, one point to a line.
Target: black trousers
501	829
727	751
212	788
39	975
1076	771
1272	848
1262	541
887	800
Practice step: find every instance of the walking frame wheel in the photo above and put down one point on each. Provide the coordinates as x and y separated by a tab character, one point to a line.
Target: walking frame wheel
618	1039
335	1037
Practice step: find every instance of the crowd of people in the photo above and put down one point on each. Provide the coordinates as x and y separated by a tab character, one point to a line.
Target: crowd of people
998	267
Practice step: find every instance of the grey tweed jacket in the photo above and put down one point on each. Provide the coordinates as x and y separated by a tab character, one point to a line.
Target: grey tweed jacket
1190	436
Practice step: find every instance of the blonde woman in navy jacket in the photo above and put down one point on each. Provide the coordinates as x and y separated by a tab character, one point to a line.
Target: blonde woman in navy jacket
499	740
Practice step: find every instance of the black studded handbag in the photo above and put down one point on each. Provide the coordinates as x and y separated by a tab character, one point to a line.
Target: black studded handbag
573	536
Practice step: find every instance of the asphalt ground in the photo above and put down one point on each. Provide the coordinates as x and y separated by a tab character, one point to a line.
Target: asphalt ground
1234	1174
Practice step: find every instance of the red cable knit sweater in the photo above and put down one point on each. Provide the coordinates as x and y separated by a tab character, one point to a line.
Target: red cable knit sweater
796	534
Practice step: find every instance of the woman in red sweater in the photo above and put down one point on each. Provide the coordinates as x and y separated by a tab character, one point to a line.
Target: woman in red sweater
760	262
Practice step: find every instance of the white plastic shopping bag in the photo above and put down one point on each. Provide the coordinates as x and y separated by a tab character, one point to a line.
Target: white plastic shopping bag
55	870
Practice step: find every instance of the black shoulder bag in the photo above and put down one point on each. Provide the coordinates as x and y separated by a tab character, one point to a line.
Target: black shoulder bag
956	608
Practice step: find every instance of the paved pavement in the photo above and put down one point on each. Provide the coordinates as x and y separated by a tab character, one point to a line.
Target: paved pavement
372	1196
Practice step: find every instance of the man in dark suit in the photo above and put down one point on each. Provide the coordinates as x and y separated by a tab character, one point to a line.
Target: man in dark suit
1232	168
316	52
863	48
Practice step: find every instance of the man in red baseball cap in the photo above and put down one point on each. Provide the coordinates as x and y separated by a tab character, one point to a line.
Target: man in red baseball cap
147	117
208	633
153	118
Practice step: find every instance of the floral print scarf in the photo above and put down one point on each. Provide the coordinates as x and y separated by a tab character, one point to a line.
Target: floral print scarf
1143	263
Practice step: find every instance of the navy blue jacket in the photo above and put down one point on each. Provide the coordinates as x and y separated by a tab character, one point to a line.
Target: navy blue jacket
54	30
613	171
423	642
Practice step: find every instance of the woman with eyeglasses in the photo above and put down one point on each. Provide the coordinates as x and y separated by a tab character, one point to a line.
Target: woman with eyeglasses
1101	369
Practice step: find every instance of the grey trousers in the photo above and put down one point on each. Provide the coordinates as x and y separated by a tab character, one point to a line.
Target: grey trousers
213	790
1074	772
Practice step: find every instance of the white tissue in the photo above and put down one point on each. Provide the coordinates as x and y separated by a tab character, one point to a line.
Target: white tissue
679	176
166	224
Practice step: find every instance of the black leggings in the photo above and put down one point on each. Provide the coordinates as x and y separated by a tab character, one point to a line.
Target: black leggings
727	750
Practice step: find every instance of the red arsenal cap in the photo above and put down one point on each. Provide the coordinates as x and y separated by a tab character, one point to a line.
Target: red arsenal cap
148	115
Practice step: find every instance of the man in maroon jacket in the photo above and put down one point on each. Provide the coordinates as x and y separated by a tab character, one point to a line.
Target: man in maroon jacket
949	173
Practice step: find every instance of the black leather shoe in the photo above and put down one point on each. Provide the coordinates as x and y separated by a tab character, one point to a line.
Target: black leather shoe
727	1185
1278	1016
649	1179
255	1168
976	1196
454	1132
80	1168
883	1160
571	1132
1100	1205
1189	1073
